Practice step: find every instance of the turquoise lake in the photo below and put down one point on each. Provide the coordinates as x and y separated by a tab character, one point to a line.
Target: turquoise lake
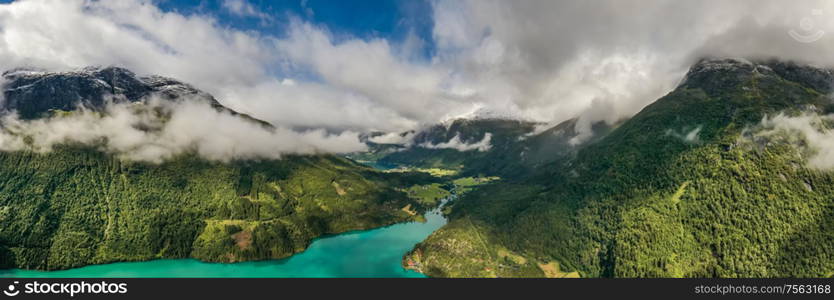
370	253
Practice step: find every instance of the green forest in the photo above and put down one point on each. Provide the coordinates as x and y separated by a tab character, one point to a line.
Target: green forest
641	202
77	206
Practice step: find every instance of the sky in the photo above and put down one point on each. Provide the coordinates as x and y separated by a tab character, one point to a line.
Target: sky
389	19
396	65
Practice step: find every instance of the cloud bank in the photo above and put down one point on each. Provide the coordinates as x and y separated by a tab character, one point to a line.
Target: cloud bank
546	61
807	131
394	138
457	144
157	130
604	60
690	137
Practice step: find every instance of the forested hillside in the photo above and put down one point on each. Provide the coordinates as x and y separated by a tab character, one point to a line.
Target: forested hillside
76	205
679	190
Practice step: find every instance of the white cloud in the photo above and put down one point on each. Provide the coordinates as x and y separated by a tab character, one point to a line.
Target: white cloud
243	8
140	132
546	61
807	131
371	68
394	138
604	60
237	67
456	143
691	136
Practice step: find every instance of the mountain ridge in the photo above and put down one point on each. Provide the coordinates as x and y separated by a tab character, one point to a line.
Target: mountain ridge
33	93
641	202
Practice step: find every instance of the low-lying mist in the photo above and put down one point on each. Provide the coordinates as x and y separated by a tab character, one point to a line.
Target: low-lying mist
457	144
808	132
155	130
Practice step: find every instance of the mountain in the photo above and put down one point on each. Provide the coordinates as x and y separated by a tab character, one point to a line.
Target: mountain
440	146
32	93
682	189
512	148
77	205
35	93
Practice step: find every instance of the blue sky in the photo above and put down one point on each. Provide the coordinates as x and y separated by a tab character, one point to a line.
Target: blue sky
392	20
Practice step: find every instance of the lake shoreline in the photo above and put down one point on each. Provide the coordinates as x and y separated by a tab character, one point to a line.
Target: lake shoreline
298	265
